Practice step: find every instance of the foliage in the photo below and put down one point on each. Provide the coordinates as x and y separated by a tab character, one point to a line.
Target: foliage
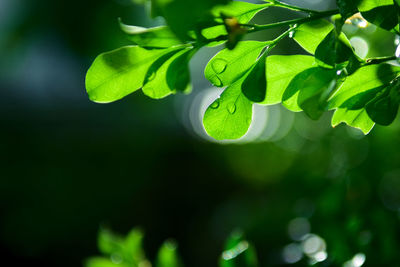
128	252
361	92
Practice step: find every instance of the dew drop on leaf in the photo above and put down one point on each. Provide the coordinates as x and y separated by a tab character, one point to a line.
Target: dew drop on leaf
216	81
152	76
215	104
231	108
219	65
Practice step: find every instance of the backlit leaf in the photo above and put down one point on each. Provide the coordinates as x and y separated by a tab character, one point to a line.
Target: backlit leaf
309	35
280	72
158	37
229	116
229	65
116	74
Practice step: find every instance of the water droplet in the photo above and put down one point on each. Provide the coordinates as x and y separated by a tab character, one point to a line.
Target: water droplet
291	34
216	81
231	108
152	76
215	104
338	73
398	51
219	65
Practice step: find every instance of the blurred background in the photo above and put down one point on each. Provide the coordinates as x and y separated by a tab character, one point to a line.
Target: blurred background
302	193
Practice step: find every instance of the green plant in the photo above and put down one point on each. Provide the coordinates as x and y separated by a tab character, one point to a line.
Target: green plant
361	92
128	252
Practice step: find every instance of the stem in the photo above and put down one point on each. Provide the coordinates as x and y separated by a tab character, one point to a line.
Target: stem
280	37
378	60
277	3
320	15
256	28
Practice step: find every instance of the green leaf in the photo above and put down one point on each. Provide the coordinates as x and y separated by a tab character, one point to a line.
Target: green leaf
347	7
155	83
229	65
382	13
280	72
133	251
158	37
183	16
168	256
384	107
255	85
229	117
103	262
364	79
178	74
309	91
309	35
242	11
238	253
333	51
108	242
355	118
116	74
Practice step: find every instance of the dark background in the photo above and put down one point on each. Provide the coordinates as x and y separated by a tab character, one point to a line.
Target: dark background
68	165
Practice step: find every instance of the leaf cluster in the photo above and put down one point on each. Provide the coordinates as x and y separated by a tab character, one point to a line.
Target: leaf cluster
361	92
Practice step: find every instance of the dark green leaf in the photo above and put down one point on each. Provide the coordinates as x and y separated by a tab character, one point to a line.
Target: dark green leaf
229	117
255	85
229	65
347	7
382	13
384	107
178	73
333	51
238	253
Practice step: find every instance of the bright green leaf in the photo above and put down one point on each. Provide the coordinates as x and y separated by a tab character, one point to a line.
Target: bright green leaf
133	251
168	256
103	262
242	11
108	242
280	72
365	79
309	91
155	83
158	37
116	74
229	117
309	35
355	118
382	13
229	65
168	75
